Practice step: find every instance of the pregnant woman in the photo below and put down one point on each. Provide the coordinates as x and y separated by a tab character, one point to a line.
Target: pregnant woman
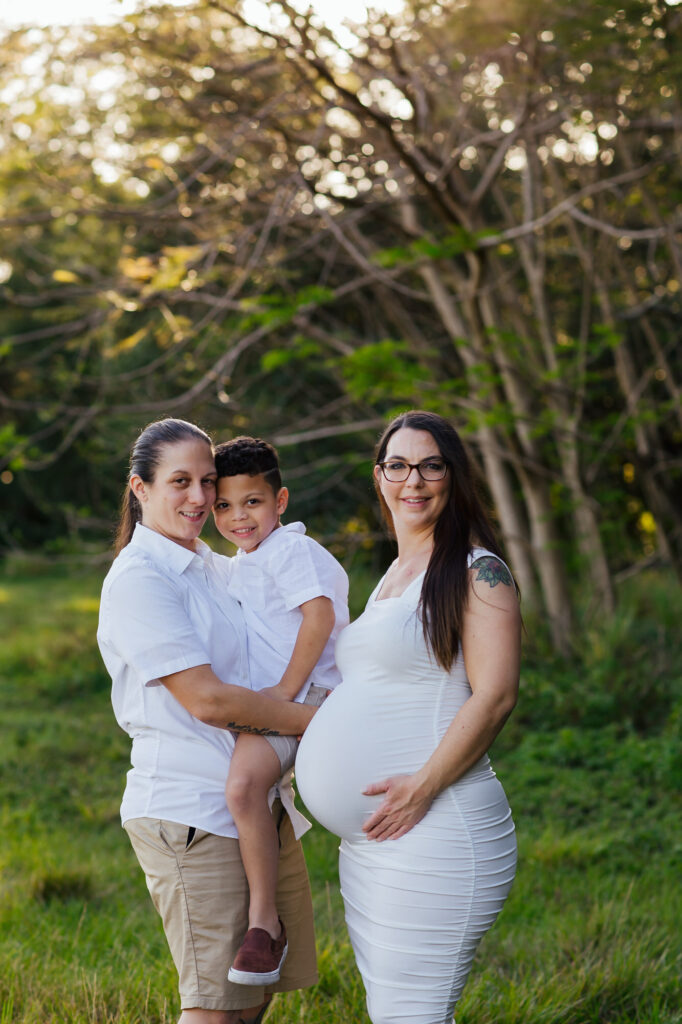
395	761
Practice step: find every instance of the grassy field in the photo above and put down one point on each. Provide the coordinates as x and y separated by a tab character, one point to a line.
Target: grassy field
591	761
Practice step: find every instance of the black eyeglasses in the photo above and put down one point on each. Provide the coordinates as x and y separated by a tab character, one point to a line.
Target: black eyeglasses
397	471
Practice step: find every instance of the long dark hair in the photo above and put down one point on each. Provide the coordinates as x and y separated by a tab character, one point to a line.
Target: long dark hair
144	458
463	524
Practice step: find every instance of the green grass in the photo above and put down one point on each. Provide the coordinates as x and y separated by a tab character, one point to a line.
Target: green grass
591	760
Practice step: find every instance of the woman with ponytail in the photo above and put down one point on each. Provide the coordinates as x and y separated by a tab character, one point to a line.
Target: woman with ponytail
395	761
174	642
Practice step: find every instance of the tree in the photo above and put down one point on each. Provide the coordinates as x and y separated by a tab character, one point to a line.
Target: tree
454	212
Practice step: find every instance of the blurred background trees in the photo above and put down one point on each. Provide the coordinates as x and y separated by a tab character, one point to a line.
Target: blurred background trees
229	213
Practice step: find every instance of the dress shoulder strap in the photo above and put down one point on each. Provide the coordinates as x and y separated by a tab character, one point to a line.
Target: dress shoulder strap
476	553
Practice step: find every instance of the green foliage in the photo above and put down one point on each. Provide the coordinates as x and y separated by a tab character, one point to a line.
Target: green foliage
382	371
10	441
606	335
625	672
299	350
300	246
454	243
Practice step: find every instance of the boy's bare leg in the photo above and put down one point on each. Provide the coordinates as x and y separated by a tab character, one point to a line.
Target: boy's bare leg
254	769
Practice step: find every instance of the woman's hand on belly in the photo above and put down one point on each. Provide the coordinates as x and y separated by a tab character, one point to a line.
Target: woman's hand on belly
405	804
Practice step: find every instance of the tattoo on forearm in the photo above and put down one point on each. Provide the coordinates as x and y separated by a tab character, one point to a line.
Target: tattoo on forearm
492	571
236	727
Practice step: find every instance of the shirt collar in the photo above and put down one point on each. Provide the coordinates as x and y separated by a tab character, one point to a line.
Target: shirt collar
169	554
292	528
285	528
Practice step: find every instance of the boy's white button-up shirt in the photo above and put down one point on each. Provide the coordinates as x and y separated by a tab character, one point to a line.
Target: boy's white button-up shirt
287	569
164	609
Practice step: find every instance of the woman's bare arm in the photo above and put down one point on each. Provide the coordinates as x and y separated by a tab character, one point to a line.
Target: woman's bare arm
227	706
491	644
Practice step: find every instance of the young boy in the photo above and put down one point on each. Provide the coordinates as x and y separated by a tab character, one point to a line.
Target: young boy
295	600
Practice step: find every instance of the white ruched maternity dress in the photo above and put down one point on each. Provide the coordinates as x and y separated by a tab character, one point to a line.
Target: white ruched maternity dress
416	907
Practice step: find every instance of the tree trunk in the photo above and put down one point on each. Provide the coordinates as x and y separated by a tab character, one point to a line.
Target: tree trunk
522	555
667	516
584	519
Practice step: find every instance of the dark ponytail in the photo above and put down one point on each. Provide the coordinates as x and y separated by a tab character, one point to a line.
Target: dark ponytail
144	458
463	524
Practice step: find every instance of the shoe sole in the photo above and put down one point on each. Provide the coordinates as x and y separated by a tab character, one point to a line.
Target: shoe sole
252	978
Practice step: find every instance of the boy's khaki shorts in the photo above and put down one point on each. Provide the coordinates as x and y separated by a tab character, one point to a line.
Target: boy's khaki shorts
286	746
200	891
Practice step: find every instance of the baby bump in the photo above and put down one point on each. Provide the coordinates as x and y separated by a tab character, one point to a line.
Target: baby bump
358	736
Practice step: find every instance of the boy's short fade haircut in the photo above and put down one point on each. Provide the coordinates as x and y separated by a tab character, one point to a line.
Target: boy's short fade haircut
250	456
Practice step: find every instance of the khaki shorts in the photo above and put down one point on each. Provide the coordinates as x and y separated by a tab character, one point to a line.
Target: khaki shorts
200	890
286	746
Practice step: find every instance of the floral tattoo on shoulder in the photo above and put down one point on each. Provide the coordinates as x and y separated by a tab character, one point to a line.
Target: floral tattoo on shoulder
491	570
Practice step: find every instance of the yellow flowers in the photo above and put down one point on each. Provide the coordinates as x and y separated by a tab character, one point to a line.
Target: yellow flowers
65	276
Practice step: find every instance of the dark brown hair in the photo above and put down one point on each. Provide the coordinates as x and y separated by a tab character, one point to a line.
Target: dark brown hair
144	459
463	524
250	456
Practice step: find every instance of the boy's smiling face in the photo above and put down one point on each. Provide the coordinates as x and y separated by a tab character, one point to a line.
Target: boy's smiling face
247	510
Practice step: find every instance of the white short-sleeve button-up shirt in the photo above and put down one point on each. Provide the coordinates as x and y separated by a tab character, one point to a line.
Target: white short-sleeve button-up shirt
287	569
164	609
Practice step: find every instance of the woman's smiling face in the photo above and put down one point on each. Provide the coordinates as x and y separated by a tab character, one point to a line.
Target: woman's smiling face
414	504
178	500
